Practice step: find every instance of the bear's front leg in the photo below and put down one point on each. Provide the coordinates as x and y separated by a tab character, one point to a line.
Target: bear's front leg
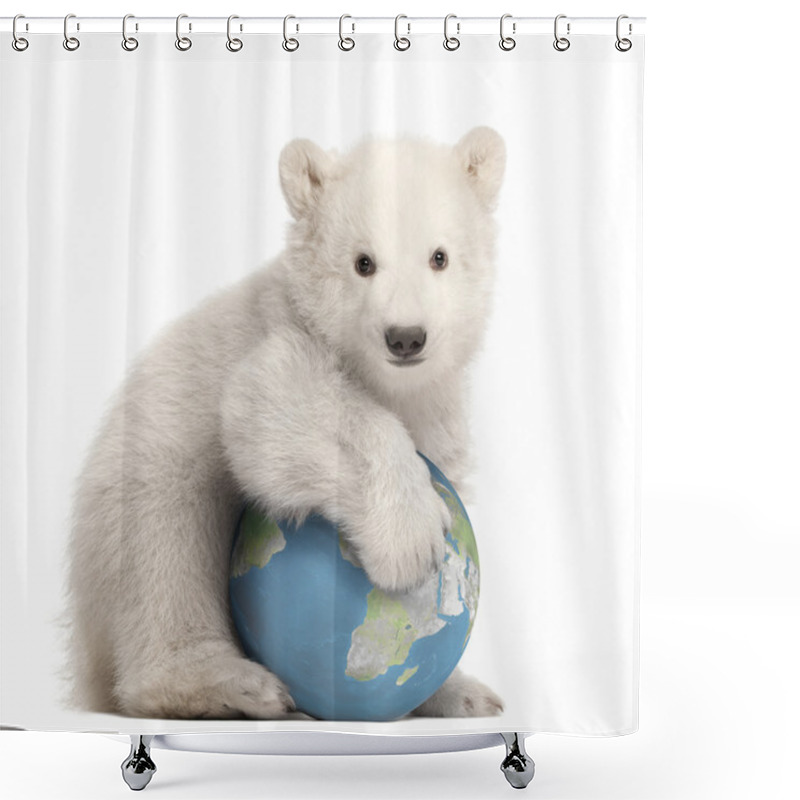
390	511
302	437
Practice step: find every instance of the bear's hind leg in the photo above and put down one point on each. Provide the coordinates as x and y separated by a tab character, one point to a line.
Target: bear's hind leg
176	649
207	681
461	696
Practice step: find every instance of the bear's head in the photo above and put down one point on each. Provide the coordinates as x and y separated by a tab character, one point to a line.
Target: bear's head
390	254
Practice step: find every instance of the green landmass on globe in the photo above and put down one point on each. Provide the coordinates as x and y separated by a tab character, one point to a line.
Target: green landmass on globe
260	539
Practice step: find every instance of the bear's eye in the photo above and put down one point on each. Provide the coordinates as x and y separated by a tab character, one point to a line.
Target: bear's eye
439	260
365	266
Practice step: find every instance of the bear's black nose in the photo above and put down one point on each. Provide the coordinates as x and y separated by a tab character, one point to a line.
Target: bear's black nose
405	342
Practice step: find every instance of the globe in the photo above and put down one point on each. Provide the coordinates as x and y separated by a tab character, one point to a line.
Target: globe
306	610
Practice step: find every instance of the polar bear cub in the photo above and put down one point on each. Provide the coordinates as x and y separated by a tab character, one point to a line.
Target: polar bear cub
308	387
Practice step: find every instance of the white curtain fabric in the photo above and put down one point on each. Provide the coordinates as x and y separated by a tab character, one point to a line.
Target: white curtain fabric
134	185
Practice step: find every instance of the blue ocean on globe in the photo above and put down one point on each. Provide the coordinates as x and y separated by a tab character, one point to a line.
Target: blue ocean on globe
305	609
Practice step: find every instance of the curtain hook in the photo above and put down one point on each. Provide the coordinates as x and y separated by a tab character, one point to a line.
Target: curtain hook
345	42
18	42
451	42
70	42
506	42
183	43
561	43
234	45
401	42
129	43
623	45
290	45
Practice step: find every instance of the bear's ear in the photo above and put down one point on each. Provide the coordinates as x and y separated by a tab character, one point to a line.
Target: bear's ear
482	155
304	168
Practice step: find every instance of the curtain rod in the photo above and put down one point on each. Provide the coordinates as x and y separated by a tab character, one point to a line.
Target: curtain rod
323	25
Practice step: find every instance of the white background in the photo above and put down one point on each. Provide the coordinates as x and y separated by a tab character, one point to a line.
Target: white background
721	526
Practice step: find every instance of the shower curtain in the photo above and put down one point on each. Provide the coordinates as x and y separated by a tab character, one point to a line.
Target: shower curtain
266	267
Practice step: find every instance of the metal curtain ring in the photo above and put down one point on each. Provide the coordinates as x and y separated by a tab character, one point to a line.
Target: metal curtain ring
506	42
451	42
345	42
129	43
401	42
561	43
234	45
181	42
290	45
623	45
18	42
70	42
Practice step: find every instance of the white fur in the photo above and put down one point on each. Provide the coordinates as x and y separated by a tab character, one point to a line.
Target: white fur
280	389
